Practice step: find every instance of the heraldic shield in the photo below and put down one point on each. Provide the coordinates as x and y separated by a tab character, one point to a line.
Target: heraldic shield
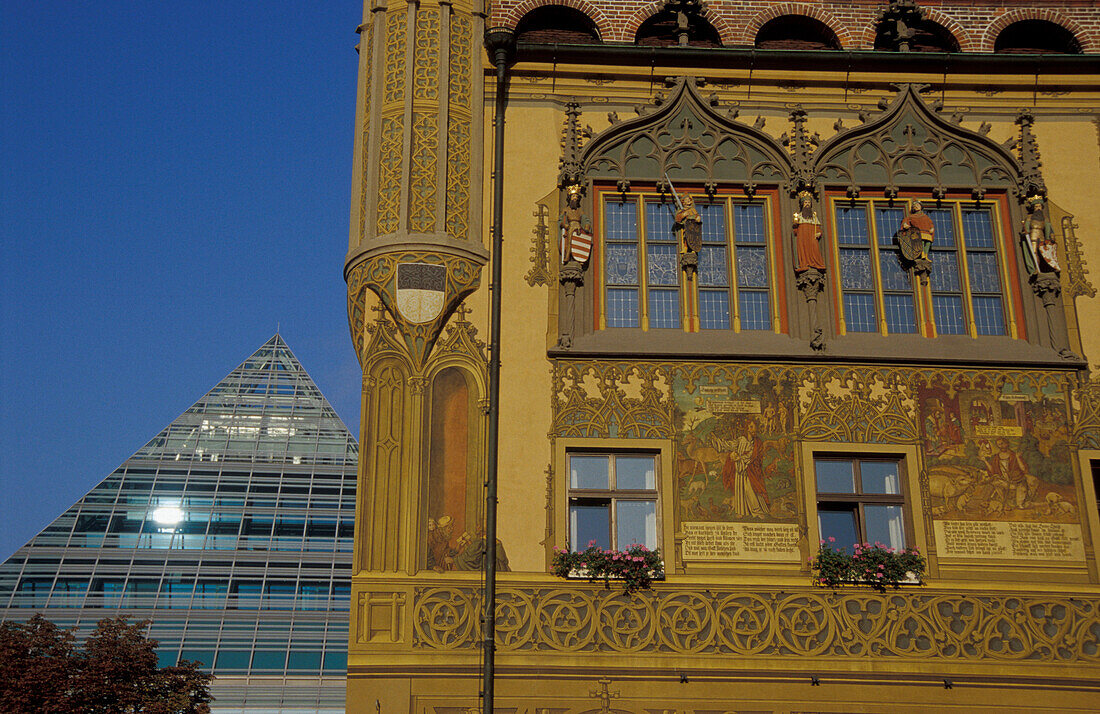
577	247
420	291
909	241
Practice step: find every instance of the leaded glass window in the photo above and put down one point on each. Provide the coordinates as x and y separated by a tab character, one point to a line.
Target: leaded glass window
731	288
877	291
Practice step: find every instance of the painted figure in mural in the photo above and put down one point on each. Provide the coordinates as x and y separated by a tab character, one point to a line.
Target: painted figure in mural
1006	464
1040	250
576	236
743	473
918	221
689	221
807	235
471	552
440	552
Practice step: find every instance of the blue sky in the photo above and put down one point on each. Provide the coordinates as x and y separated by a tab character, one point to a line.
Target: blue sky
176	182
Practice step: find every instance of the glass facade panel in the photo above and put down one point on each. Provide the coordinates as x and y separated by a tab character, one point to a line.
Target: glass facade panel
186	534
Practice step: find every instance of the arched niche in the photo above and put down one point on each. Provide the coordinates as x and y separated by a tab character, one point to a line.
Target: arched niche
910	146
452	476
557	23
928	36
1036	37
796	32
662	30
687	139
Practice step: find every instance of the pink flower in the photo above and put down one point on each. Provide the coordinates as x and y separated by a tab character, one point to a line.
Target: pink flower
832	540
591	542
822	542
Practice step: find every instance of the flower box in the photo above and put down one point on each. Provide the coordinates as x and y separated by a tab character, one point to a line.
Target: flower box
876	566
636	567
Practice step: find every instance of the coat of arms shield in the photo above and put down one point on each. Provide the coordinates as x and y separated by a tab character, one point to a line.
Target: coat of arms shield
420	291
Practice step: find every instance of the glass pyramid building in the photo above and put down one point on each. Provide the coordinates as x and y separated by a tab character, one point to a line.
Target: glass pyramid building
231	530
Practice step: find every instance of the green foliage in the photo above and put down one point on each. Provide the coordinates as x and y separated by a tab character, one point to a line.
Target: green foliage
874	565
636	566
41	671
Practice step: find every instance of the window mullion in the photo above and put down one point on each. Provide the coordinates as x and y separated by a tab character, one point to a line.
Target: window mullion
731	261
876	267
643	263
964	269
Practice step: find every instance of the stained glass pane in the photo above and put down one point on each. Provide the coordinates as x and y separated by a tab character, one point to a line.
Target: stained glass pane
714	309
945	227
894	274
977	228
900	317
887	223
622	307
662	264
621	267
947	310
984	277
851	225
755	309
752	267
621	221
945	272
658	222
988	316
664	308
713	269
859	312
855	269
714	222
748	222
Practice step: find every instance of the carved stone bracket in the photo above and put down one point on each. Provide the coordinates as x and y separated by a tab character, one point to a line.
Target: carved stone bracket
811	283
1048	288
571	276
689	262
922	268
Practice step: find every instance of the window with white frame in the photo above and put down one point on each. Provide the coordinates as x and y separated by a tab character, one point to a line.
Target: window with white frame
613	500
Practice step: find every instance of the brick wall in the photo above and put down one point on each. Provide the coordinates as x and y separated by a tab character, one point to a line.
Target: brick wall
975	23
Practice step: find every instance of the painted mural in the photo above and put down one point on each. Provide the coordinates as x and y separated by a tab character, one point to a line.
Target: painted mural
735	449
998	453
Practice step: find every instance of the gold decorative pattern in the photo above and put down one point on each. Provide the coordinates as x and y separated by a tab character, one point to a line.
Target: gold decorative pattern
589	400
366	51
456	218
379	273
539	273
382	463
458	62
1087	427
874	407
389	175
426	54
396	32
422	182
773	623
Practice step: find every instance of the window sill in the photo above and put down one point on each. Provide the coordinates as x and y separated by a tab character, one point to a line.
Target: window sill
584	574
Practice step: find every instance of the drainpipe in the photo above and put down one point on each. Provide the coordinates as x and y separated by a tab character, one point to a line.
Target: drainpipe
500	42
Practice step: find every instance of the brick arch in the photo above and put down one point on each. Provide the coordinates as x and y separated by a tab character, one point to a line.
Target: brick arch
718	22
590	10
748	36
967	41
1087	41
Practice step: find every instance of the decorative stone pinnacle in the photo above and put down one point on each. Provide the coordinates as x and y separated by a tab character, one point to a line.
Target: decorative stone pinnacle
898	21
1030	163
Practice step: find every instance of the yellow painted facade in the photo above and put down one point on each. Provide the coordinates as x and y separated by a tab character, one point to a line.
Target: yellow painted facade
1018	630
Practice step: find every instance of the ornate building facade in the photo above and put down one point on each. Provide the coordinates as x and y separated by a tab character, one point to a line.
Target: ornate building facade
777	277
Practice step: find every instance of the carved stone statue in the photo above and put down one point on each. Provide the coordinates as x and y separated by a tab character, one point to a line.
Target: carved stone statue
1040	249
576	237
809	263
576	247
807	235
1041	260
690	223
922	227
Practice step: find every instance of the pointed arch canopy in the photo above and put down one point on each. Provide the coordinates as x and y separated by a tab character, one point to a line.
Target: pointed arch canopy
911	145
688	139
